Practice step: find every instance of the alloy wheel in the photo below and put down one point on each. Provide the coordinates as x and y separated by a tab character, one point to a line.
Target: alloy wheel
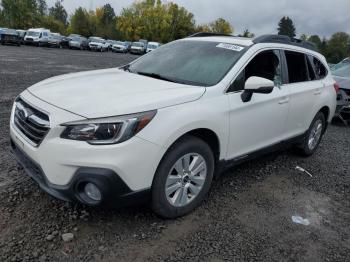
186	179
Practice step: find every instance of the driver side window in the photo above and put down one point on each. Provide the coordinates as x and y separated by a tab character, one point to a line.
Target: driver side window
266	64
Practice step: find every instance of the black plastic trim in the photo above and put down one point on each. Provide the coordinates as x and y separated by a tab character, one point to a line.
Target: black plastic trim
226	164
115	192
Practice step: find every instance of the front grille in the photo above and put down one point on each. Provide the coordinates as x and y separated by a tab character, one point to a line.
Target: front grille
31	122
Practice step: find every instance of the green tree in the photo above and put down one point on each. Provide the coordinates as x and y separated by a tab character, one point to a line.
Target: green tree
41	7
316	40
155	21
221	26
286	27
53	24
338	47
20	13
303	37
58	12
246	33
181	22
81	23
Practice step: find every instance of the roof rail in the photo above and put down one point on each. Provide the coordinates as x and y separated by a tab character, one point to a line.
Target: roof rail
284	40
206	34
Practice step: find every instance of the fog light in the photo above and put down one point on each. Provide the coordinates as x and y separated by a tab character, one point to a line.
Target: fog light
93	192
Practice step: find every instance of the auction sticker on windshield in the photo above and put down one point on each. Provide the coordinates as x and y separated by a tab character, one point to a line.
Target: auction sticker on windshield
230	47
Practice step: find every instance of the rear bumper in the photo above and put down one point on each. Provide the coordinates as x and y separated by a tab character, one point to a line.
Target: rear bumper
115	192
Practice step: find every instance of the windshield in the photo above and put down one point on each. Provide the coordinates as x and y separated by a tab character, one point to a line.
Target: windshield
343	71
119	43
97	40
190	62
32	33
152	46
76	38
138	44
11	31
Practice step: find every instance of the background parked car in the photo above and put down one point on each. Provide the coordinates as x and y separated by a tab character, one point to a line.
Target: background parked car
54	40
120	47
342	76
145	42
344	62
138	48
37	36
110	43
65	42
152	46
73	35
78	42
10	36
128	44
22	34
98	44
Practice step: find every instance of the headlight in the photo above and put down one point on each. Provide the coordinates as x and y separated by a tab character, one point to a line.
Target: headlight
109	130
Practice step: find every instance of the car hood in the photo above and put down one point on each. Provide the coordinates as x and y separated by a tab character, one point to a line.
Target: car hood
343	82
112	92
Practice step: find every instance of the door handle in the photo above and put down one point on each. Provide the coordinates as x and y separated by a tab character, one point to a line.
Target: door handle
283	101
317	92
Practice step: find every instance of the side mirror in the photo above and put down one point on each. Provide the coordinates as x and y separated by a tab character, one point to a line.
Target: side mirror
258	85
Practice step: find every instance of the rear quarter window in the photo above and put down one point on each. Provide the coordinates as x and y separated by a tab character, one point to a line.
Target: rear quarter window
320	70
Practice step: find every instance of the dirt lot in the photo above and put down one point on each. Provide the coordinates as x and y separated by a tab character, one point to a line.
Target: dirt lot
247	215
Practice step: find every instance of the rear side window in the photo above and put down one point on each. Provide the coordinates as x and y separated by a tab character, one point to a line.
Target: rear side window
297	67
320	69
310	70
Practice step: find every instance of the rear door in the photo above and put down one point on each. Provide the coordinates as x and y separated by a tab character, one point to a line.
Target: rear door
305	88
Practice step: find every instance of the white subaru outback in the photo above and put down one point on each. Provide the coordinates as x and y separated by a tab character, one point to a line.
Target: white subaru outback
162	127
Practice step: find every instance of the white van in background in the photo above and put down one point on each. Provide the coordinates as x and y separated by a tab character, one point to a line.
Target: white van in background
37	36
152	46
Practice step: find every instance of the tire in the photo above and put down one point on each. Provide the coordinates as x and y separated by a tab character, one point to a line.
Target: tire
170	205
311	140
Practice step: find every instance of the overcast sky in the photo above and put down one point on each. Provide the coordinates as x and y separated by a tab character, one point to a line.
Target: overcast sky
322	17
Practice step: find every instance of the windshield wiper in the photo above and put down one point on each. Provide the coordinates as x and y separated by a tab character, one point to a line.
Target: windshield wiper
126	68
156	76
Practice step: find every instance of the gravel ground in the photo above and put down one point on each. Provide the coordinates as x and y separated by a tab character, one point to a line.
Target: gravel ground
247	216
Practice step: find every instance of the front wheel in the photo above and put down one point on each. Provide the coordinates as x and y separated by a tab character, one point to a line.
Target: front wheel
314	135
183	178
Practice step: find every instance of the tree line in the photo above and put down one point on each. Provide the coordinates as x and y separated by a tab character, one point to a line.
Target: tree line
335	49
147	19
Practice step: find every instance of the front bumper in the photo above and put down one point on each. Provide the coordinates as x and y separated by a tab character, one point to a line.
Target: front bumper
114	190
136	51
95	47
119	50
135	160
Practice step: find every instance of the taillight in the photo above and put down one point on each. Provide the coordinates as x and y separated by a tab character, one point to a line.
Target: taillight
336	87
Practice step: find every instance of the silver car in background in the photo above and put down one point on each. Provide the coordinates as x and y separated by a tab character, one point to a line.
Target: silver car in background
342	76
138	48
120	47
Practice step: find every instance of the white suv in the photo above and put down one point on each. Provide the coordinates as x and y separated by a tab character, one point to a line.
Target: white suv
162	127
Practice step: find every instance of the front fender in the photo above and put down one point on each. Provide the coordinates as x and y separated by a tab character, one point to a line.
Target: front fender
173	122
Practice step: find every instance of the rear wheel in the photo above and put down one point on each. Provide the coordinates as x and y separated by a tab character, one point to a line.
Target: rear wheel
314	135
183	178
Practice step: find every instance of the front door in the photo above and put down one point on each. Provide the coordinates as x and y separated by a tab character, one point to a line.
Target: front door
261	121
